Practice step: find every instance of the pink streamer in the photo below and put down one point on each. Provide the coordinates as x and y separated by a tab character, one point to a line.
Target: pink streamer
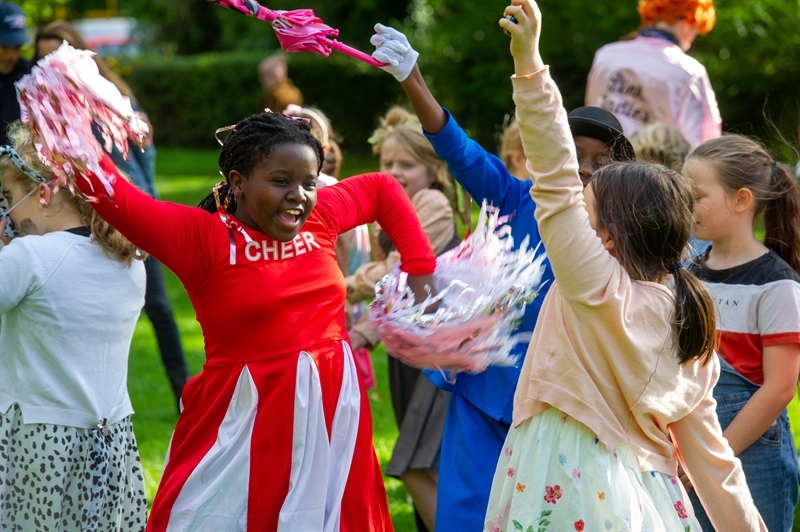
299	30
60	100
483	286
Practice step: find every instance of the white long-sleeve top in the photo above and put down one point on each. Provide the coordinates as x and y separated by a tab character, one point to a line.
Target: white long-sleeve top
67	316
647	80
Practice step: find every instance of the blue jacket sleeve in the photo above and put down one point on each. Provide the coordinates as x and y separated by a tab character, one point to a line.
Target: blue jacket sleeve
481	173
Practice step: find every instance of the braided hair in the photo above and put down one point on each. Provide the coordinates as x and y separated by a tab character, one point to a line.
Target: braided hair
253	140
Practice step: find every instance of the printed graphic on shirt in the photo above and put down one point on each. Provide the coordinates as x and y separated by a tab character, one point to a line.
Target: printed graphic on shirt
624	97
268	250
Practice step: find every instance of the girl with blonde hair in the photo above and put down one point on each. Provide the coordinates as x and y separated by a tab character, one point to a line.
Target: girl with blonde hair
71	292
140	167
419	406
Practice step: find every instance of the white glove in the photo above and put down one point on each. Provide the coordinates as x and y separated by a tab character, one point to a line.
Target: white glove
393	48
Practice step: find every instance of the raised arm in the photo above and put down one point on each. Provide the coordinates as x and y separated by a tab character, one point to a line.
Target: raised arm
482	174
176	235
581	264
379	197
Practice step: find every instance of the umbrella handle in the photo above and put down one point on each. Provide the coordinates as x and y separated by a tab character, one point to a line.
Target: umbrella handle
358	54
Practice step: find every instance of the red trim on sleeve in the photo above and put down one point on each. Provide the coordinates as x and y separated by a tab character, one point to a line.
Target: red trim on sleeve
768	340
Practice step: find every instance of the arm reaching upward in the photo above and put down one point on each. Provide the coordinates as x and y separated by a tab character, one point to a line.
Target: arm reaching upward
176	235
481	174
393	48
430	113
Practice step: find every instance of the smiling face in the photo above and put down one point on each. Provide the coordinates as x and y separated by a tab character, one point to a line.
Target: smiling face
403	166
280	192
713	207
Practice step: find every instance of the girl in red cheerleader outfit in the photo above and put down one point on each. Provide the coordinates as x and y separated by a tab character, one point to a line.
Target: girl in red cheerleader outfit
275	433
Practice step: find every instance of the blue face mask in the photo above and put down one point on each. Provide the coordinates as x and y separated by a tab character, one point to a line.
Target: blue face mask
10	230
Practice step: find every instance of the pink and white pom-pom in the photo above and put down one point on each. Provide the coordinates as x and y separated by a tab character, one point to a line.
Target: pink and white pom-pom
62	97
482	288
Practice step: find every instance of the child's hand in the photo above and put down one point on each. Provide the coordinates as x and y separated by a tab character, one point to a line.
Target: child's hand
524	35
392	47
684	478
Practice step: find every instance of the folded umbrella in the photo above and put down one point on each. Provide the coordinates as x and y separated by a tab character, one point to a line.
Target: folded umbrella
299	30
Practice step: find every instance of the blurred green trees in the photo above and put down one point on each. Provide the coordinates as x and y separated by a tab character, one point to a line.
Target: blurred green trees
752	55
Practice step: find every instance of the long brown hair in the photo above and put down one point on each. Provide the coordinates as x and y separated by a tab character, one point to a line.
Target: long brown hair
113	243
647	210
741	162
65	31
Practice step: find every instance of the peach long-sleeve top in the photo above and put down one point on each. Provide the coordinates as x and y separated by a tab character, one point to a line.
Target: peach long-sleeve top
602	350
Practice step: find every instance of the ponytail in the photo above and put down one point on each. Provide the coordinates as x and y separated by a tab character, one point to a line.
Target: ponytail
782	216
647	210
694	323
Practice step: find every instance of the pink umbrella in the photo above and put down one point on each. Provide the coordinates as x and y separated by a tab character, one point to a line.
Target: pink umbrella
299	30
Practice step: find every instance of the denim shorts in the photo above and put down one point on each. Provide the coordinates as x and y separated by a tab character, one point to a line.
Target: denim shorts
770	464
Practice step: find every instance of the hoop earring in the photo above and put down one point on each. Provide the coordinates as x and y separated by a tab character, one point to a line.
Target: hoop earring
44	205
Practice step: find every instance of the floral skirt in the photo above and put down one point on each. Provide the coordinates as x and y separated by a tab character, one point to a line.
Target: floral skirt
59	478
555	475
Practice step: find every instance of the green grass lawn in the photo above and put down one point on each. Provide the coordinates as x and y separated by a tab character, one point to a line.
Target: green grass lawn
186	176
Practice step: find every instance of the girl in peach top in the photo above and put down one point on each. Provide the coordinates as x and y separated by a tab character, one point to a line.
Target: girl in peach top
616	386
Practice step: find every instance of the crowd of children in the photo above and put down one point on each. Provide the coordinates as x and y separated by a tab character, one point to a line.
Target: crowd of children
651	392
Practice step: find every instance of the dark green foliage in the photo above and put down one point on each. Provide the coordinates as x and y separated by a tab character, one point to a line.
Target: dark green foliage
751	57
188	98
752	60
192	26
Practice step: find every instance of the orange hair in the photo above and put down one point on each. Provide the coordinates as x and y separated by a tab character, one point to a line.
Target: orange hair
698	13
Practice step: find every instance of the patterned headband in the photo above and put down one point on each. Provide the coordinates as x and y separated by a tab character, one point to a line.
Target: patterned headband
11	153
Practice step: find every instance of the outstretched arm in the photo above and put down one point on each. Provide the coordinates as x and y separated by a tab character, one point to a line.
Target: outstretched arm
393	48
177	235
481	173
581	264
430	113
380	197
436	217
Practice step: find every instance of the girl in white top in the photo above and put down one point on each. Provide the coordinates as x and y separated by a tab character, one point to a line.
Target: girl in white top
71	289
616	386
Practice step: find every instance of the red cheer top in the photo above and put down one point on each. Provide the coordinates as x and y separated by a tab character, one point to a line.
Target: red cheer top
279	297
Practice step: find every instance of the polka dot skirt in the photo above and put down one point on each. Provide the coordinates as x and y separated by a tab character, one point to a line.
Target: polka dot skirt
58	478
